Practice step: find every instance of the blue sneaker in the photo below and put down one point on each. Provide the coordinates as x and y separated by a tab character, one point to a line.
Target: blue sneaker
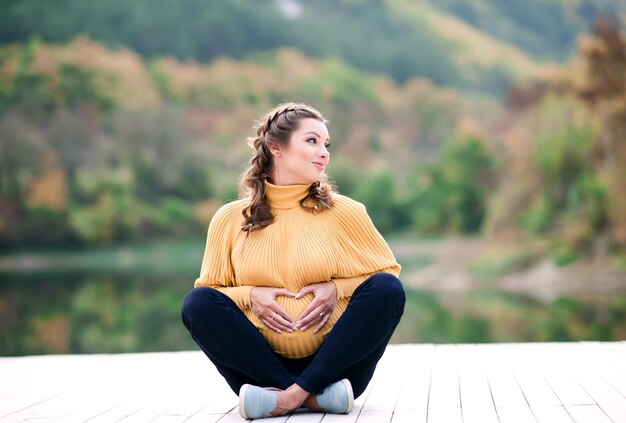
337	398
255	402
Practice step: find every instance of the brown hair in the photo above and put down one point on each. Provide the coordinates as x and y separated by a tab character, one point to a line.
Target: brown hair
276	127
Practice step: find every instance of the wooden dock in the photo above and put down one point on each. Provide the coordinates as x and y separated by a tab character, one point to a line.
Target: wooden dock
532	382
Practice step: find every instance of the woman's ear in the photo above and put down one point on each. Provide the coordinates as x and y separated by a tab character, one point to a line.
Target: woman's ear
275	149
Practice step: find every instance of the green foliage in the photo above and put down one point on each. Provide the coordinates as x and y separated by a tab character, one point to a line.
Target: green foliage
340	84
546	29
115	214
564	254
26	89
77	87
572	199
452	194
370	35
43	226
40	93
113	217
378	194
364	34
539	216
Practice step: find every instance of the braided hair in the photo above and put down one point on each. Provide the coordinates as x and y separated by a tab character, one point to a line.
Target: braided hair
276	127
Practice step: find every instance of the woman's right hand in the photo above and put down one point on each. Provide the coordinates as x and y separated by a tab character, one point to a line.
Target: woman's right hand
265	307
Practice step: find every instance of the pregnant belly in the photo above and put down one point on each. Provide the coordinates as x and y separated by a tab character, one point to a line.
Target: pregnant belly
297	344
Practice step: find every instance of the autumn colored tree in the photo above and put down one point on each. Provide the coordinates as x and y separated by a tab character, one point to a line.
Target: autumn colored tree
603	89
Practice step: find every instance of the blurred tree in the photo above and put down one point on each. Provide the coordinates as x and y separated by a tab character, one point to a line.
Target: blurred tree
603	88
451	195
378	194
25	88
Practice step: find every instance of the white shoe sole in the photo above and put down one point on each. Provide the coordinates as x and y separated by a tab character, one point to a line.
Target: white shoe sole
242	395
348	386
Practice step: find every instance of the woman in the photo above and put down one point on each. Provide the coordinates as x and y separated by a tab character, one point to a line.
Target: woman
298	293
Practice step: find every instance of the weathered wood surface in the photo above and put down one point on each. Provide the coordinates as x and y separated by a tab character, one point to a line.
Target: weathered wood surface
531	382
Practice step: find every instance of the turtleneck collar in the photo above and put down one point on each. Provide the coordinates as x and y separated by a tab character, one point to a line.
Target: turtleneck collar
285	196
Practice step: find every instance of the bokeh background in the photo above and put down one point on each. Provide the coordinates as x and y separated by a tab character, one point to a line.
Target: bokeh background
486	138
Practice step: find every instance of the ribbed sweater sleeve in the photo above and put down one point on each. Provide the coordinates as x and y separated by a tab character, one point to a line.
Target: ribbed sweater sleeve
363	251
217	269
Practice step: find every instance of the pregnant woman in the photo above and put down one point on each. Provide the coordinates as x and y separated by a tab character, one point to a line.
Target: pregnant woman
298	293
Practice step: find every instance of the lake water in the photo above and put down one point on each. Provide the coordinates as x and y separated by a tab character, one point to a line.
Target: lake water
128	300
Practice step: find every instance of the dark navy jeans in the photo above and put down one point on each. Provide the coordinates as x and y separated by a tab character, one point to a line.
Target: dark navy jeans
351	350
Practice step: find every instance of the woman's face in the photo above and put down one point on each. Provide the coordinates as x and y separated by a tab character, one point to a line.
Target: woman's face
304	158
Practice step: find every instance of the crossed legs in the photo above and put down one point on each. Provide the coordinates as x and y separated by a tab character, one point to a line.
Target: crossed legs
351	350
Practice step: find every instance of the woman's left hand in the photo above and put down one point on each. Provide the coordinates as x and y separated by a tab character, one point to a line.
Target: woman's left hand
322	306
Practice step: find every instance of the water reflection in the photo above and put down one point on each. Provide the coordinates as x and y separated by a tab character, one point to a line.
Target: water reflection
92	313
103	312
496	316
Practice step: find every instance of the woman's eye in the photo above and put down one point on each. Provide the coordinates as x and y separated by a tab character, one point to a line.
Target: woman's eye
313	140
327	146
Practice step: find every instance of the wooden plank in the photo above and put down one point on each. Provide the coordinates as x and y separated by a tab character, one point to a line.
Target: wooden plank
587	414
609	366
147	411
206	418
617	347
192	404
444	384
611	351
101	405
527	361
552	414
415	385
279	419
504	388
476	400
479	415
410	416
342	418
608	399
118	413
168	419
234	417
385	387
536	390
515	415
444	415
58	407
303	417
375	416
221	404
26	398
566	388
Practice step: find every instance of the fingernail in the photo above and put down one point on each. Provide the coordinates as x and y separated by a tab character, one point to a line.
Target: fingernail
289	330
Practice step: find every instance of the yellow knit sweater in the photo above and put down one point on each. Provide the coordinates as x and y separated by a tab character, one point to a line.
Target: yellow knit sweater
299	248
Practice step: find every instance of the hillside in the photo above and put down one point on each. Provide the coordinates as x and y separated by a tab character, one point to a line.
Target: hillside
544	29
105	145
477	45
